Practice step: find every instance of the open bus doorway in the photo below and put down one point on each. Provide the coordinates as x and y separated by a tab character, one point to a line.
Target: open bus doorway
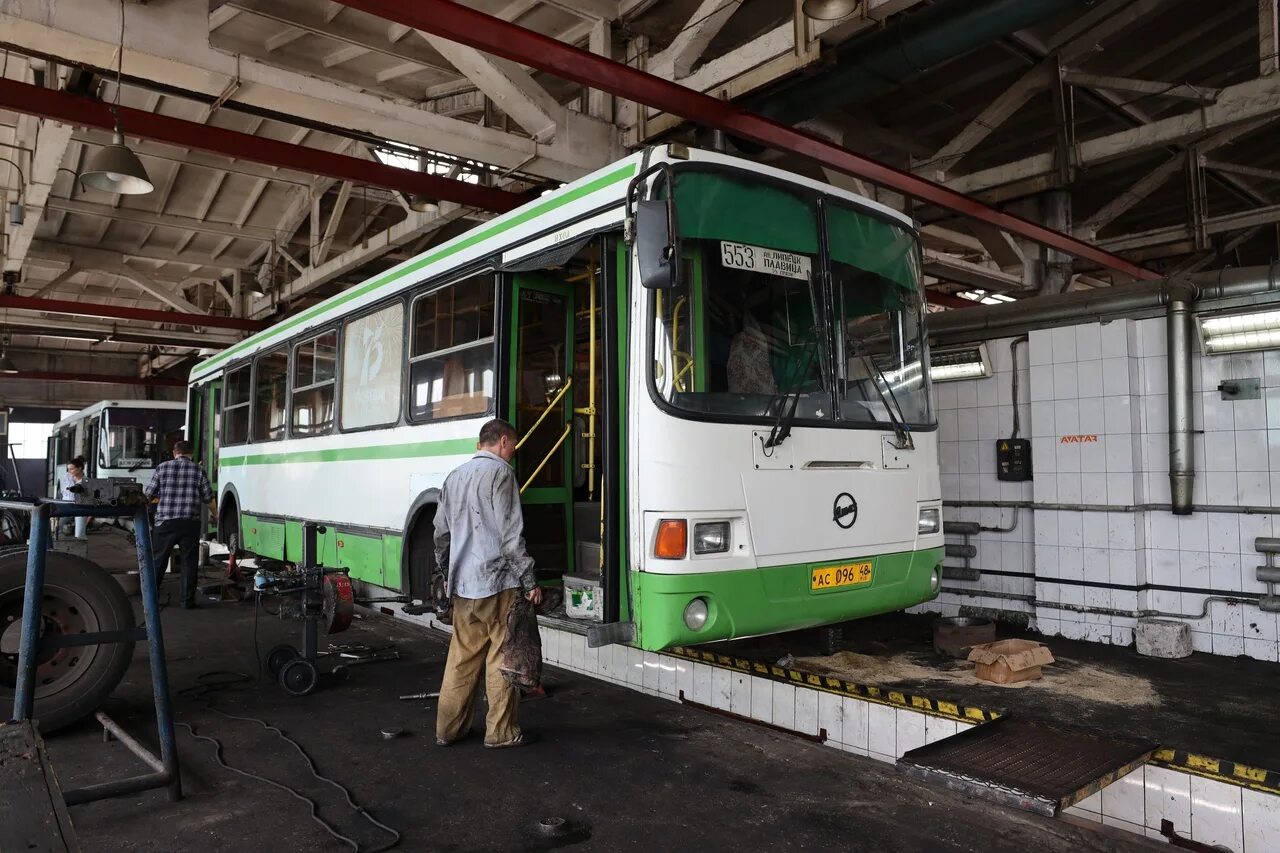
558	403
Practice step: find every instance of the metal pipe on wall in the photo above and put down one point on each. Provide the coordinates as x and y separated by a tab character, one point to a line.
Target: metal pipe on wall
983	322
1182	464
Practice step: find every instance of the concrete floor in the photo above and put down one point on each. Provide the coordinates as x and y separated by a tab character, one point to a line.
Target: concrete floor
624	770
627	771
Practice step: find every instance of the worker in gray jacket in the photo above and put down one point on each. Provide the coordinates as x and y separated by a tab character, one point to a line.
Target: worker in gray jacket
479	536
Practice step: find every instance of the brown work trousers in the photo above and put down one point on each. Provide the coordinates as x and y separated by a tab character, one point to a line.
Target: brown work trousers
479	627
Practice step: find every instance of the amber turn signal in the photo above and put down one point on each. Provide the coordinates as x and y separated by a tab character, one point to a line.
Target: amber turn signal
673	539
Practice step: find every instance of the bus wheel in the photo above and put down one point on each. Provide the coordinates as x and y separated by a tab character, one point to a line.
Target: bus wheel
230	530
79	597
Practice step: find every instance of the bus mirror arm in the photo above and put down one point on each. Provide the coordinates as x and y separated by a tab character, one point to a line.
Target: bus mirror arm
651	229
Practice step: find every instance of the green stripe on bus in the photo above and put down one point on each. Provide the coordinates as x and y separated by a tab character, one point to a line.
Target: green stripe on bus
478	236
450	447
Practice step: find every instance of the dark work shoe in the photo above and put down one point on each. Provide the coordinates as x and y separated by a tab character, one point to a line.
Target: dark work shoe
522	739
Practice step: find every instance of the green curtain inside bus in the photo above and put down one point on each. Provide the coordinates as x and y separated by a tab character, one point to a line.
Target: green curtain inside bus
874	245
714	206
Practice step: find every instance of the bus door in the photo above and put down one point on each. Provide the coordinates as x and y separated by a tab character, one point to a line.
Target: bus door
92	446
205	437
540	406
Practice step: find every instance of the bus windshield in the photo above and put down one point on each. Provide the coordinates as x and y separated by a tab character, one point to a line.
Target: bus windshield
755	322
139	438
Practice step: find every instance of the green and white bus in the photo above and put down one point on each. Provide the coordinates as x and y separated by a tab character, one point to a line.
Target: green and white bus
717	369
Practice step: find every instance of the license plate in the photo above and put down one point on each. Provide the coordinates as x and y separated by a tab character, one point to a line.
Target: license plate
833	577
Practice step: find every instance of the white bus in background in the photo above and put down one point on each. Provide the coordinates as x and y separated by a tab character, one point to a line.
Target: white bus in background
117	438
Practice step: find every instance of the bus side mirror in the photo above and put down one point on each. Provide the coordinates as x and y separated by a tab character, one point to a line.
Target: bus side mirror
657	247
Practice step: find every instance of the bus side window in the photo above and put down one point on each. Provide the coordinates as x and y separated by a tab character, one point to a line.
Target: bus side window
451	352
372	367
235	412
313	384
270	382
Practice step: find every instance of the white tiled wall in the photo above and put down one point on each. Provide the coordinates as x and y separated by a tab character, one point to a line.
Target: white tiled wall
853	725
1110	380
1204	810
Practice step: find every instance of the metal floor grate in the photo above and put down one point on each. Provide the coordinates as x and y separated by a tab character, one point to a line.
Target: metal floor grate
1028	765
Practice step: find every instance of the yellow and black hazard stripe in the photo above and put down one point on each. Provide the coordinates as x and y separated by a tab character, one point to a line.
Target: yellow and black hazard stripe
830	684
1220	769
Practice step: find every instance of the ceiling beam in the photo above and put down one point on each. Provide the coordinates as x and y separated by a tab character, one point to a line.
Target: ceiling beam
679	57
984	123
415	225
968	273
508	85
1258	98
72	109
1156	178
335	216
1222	224
1268	37
40	325
1185	91
66	252
483	32
90	309
309	20
163	293
167	220
55	282
158	48
48	141
93	378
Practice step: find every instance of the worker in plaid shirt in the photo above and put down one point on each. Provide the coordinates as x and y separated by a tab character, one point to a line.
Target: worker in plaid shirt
182	489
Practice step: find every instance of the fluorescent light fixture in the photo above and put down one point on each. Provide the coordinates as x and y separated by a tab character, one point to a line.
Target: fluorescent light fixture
955	363
1240	332
985	298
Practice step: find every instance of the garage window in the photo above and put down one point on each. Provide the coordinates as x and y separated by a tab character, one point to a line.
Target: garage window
270	382
314	376
235	413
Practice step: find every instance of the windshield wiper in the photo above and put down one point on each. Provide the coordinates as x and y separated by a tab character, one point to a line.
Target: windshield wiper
901	432
782	424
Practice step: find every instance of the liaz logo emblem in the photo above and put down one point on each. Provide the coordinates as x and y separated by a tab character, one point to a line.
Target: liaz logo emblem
844	512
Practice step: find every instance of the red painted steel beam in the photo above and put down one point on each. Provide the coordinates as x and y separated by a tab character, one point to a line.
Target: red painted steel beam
120	312
85	112
93	378
493	35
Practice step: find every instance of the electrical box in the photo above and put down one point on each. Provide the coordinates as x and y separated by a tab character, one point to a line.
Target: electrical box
1013	459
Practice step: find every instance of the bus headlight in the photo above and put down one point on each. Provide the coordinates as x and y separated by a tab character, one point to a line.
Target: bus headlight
711	537
935	579
930	521
695	614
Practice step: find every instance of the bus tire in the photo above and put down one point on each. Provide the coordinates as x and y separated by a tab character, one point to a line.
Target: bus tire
80	596
420	556
229	529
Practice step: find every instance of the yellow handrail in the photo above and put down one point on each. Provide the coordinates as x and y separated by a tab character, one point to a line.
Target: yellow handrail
542	417
677	379
568	428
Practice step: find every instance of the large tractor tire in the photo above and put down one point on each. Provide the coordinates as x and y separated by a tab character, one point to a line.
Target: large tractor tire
79	597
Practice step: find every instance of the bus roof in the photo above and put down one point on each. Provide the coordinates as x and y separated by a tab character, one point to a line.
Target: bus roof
604	188
90	411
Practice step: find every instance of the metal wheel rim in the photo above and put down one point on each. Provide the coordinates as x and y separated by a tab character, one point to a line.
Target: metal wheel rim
64	612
